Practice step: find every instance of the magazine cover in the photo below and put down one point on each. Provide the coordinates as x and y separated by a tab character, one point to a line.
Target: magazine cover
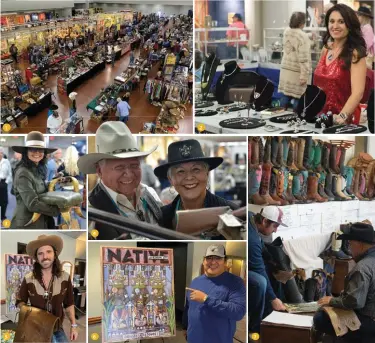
137	293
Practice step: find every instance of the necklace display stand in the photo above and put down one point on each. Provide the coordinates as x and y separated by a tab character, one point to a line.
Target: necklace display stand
208	74
260	97
311	103
231	69
346	129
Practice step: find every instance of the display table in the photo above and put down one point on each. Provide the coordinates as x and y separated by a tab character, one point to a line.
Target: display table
67	87
211	123
39	106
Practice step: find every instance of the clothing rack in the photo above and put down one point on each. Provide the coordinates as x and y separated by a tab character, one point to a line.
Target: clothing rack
159	90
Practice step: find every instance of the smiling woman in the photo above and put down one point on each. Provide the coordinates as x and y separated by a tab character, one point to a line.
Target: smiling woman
187	170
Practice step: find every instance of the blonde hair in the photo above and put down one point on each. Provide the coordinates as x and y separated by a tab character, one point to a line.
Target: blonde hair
70	161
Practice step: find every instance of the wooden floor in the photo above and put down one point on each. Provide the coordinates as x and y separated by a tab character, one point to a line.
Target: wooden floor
142	111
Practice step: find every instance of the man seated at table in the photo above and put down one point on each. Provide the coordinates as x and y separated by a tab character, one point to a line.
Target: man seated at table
359	290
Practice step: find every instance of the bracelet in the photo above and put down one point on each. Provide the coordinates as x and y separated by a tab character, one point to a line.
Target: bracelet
205	298
343	115
74	326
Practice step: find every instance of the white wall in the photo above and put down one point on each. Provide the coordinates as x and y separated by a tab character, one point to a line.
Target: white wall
371	145
12	5
9	242
237	249
154	7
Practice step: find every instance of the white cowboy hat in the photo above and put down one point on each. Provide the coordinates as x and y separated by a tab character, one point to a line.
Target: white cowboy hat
34	139
112	140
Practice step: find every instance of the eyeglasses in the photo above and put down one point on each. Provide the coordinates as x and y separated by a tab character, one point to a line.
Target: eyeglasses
214	258
132	167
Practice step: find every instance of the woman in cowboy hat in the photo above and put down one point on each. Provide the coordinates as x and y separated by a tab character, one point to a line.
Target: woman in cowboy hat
187	170
365	18
29	183
119	190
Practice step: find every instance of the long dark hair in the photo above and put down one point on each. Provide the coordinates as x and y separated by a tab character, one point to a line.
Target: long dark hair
56	267
41	168
354	41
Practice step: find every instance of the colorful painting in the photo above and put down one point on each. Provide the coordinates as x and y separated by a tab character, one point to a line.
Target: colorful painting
138	293
16	267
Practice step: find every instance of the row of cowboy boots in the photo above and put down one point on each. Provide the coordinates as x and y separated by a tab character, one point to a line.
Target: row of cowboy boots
296	154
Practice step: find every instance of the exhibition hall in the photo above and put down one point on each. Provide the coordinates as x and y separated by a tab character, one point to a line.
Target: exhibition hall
70	68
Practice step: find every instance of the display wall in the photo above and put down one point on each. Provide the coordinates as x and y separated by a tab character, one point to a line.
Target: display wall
11	5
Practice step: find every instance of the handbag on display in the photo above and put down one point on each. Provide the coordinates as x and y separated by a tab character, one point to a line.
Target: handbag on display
35	325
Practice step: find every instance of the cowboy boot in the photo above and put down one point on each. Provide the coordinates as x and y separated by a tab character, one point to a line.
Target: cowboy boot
290	190
274	186
342	160
308	155
326	150
288	195
267	150
300	277
328	185
255	176
312	189
300	153
249	151
265	185
332	159
344	185
279	258
292	293
336	247
305	175
321	184
275	152
254	153
297	186
317	166
261	150
285	143
349	174
292	156
280	189
357	177
340	187
335	190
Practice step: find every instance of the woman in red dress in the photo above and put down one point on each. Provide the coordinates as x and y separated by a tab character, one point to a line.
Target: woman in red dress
341	72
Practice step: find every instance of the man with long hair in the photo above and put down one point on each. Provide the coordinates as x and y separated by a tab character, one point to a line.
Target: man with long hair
48	287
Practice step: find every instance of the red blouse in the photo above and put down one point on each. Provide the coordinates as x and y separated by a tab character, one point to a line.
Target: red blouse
334	80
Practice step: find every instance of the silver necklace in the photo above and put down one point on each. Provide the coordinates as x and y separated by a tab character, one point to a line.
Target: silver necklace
225	75
256	94
212	64
303	115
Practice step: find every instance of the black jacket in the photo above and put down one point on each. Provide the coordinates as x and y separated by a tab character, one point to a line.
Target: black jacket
211	200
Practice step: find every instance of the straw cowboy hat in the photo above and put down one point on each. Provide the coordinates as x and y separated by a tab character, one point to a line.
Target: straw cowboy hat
34	139
112	140
52	240
185	151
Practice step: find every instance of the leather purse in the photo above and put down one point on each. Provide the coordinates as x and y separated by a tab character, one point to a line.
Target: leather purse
35	325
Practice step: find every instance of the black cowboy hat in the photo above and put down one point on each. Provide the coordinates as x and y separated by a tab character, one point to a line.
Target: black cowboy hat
361	232
185	151
365	11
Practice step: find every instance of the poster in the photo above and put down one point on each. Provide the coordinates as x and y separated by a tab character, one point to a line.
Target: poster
16	267
137	293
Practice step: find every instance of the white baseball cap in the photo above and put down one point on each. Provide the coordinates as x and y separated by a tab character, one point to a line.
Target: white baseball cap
273	213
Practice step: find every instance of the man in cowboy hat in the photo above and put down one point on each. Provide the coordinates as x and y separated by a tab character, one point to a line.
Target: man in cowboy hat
48	287
119	190
359	289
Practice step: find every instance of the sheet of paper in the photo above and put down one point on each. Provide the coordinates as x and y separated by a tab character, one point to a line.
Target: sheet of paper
289	319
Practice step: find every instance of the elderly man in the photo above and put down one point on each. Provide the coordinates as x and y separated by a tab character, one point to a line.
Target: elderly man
359	288
117	162
5	179
215	301
53	163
